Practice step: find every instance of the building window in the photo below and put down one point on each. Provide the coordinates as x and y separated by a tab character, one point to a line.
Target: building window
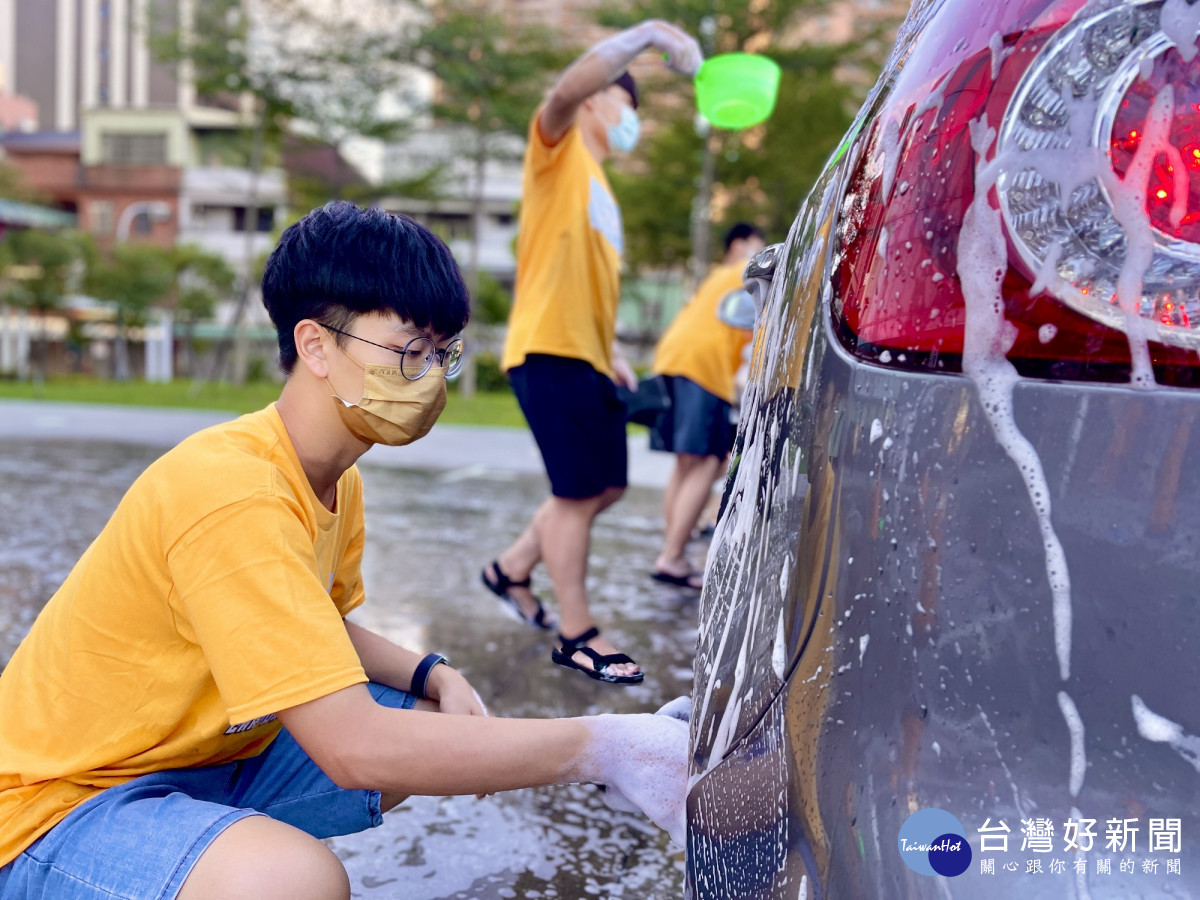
266	219
449	226
100	217
133	149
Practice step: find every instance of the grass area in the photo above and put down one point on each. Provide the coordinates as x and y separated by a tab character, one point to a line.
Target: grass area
498	408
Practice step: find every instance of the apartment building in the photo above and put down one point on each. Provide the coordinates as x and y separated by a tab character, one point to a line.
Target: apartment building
123	140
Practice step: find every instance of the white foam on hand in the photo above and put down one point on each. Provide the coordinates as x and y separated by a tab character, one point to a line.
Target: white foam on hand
680	708
642	759
681	52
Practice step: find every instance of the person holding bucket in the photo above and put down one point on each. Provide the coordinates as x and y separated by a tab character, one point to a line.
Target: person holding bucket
559	354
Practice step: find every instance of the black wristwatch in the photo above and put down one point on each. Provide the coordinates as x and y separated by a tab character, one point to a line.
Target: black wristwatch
420	677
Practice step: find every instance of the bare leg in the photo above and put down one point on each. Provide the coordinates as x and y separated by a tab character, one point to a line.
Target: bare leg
697	475
564	529
521	557
672	489
262	859
527	551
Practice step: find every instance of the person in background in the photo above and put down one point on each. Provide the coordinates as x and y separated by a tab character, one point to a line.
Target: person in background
699	357
192	712
560	354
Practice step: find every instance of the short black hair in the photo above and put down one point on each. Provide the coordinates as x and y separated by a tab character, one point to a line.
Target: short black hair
740	232
625	80
341	261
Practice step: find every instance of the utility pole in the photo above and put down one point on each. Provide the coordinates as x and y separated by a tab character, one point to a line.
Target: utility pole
702	202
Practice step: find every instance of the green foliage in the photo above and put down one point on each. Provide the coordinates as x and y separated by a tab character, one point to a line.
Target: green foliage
42	266
490	75
656	194
760	175
485	408
134	277
766	185
200	281
14	187
492	301
298	61
489	377
39	269
721	26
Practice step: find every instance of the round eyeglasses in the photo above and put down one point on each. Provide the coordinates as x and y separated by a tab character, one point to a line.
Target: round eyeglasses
419	355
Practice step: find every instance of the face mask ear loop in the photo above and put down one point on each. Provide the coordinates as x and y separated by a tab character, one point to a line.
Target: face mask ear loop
329	384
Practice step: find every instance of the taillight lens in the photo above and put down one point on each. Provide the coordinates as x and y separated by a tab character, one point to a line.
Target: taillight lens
1069	92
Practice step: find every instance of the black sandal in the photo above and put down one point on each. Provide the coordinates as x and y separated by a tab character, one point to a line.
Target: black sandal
600	662
500	587
693	580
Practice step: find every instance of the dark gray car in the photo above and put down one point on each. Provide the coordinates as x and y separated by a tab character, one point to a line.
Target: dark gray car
952	609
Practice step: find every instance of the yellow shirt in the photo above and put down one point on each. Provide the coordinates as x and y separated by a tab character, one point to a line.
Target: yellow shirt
568	256
212	599
698	345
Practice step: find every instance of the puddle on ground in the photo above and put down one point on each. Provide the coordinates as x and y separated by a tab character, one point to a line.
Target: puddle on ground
428	535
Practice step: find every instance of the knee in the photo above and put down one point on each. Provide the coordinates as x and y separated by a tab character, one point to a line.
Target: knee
260	857
610	496
308	870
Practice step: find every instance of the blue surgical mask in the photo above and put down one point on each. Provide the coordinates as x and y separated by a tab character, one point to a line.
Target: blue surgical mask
623	136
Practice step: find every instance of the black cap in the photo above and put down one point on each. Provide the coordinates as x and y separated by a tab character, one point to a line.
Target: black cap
625	80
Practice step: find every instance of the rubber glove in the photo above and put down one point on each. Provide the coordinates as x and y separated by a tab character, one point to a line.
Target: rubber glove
642	760
681	52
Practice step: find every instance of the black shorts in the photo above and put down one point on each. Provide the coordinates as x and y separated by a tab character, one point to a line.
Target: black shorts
698	422
577	421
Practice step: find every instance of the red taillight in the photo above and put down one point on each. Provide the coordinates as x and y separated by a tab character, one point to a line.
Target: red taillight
898	297
1173	200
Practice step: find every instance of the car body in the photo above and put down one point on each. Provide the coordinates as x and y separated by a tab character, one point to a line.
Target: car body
957	566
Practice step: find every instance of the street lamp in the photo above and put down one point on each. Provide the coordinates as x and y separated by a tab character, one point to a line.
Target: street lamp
160	346
155	210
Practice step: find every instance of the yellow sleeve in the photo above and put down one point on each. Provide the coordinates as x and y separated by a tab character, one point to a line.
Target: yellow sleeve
540	155
246	582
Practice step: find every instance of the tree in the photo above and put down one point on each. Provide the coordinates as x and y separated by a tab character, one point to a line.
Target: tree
41	268
490	78
688	181
133	278
200	280
14	187
289	62
759	175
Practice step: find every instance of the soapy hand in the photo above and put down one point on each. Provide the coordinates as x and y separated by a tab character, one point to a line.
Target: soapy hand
642	760
680	50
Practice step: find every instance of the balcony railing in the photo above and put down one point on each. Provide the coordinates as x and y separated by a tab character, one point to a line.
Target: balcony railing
150	179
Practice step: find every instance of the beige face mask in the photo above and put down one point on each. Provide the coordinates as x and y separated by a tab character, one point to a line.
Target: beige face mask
393	410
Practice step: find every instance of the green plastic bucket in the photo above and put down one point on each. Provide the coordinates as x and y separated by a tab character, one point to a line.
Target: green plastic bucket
737	90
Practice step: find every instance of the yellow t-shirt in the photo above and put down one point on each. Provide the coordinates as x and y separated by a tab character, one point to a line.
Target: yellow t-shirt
568	256
698	345
212	599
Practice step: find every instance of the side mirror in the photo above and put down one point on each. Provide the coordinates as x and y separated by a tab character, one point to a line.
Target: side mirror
759	273
737	309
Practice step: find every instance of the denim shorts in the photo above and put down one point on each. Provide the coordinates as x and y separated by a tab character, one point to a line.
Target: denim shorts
698	422
139	840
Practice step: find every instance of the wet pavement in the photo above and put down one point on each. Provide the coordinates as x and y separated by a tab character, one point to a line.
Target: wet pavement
429	530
